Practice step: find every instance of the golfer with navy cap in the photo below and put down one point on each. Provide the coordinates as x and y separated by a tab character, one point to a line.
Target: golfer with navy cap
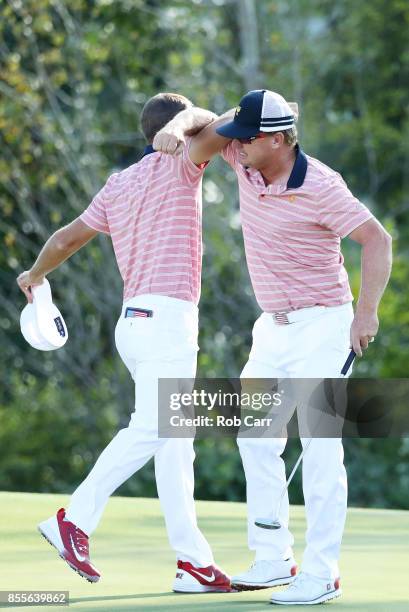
294	212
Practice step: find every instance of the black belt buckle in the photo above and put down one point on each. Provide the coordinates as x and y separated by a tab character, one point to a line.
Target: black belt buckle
137	312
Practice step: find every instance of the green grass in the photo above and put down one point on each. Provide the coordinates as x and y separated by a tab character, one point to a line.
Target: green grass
130	548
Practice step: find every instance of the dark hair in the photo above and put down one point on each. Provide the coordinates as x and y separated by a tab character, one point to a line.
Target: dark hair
159	110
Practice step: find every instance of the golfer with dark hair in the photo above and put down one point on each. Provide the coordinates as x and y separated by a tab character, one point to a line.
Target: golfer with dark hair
152	211
294	212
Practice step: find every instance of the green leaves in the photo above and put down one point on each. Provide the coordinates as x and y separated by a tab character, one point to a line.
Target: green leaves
73	79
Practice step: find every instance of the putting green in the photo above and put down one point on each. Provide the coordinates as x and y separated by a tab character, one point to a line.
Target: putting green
130	548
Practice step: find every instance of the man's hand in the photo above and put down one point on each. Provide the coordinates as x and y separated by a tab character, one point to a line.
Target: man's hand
363	330
26	280
169	140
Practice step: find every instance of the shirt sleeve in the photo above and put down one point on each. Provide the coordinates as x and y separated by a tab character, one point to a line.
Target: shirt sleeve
340	211
189	172
230	153
95	216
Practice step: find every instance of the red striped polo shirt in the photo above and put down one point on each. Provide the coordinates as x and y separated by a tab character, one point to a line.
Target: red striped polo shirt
152	211
292	233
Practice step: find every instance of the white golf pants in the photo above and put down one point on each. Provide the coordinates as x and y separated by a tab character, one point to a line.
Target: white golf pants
315	346
161	346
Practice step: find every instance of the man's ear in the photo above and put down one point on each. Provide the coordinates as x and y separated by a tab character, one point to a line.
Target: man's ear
277	140
294	108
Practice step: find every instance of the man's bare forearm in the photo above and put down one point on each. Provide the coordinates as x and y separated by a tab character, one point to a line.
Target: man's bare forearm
54	252
171	138
376	265
60	246
191	120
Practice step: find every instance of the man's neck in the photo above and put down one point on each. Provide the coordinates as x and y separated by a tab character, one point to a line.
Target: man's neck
279	169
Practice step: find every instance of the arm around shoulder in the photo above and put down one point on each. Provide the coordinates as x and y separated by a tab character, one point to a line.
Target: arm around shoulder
207	143
171	138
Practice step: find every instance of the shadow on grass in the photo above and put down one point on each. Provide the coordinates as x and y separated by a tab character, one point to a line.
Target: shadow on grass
184	602
114	597
229	604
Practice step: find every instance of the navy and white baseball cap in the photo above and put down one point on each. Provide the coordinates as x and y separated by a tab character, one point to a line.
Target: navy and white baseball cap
259	110
41	323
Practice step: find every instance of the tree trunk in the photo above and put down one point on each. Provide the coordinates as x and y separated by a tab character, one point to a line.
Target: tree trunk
249	44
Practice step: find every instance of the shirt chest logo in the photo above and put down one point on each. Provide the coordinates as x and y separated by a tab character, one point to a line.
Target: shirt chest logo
288	198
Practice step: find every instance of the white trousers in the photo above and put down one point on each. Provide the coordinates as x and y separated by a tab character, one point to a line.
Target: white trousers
316	346
162	346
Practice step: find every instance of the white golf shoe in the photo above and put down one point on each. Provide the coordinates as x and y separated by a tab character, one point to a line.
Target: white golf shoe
265	574
307	590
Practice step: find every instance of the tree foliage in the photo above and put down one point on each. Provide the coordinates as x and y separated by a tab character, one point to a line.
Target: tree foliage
73	79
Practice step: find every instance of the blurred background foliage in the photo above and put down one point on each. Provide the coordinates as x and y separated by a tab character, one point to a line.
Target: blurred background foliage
73	79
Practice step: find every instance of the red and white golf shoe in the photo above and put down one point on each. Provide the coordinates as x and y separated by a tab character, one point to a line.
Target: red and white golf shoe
191	579
71	543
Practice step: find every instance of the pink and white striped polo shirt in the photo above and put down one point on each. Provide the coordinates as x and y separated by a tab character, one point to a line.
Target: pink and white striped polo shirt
292	233
152	211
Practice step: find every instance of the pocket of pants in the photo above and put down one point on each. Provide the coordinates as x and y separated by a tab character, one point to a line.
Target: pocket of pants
182	341
133	336
345	319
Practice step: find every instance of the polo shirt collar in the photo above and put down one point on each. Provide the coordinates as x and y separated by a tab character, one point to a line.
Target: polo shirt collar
296	178
148	149
299	170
